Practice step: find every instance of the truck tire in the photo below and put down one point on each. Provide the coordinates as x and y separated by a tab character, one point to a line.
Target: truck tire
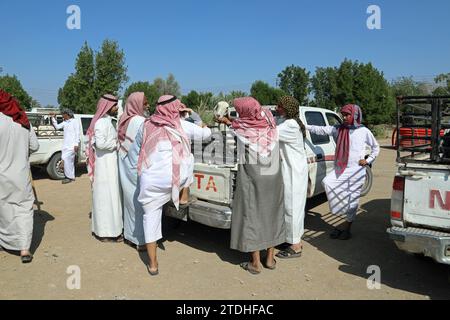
367	182
53	169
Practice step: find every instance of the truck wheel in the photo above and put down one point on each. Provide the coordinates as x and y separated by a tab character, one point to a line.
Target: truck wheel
368	182
53	167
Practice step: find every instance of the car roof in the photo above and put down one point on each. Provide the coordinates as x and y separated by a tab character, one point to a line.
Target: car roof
305	108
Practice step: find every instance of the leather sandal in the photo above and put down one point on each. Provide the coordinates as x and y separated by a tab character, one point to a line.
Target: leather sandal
289	253
26	258
247	266
271	267
152	273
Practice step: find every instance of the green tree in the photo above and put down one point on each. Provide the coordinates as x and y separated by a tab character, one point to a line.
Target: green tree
191	99
196	100
68	96
344	83
149	90
167	86
407	86
354	82
78	92
110	69
265	94
295	81
445	88
324	86
372	92
85	80
95	74
13	86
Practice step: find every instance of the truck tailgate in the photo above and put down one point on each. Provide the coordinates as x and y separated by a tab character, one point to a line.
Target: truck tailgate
212	183
427	198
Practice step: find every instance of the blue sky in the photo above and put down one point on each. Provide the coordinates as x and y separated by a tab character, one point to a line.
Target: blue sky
218	45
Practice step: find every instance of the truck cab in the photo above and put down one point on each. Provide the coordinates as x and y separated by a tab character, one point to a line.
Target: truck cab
215	175
420	202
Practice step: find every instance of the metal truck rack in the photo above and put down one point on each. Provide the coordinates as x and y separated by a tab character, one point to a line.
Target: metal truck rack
423	129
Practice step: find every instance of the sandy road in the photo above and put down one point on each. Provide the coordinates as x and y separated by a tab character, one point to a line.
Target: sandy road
196	262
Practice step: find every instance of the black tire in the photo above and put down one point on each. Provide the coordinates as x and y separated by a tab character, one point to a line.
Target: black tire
367	182
53	167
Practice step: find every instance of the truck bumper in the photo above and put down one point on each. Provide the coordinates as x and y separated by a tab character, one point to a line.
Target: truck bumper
212	215
203	212
430	243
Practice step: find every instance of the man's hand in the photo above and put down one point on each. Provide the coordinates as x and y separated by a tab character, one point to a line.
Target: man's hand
363	163
75	148
186	109
224	120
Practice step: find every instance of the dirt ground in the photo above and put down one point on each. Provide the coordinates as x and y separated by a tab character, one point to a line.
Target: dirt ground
196	262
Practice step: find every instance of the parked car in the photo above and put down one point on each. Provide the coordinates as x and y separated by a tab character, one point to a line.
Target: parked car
51	141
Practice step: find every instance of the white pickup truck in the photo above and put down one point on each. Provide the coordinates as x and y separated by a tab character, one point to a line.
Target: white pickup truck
420	203
215	183
51	141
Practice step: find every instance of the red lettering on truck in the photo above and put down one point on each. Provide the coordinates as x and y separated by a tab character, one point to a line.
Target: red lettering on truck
436	194
199	180
211	184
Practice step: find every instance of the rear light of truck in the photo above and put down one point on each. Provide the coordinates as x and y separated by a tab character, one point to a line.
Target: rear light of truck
399	183
398	188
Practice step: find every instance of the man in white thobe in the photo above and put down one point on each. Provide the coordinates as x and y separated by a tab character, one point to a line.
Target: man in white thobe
343	185
17	139
294	168
69	150
107	219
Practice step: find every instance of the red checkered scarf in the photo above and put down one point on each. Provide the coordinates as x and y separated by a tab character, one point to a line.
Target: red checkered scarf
133	107
105	104
255	125
343	139
11	108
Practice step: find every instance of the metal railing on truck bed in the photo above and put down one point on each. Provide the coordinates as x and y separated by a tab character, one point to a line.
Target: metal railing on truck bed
423	129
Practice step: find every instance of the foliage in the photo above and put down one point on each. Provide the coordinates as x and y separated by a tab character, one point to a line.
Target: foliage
295	81
265	94
12	85
95	74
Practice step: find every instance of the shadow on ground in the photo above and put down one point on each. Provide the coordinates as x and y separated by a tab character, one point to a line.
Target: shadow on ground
371	245
39	173
40	219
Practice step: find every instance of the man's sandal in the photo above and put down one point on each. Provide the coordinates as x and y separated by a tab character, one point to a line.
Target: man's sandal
271	267
288	253
26	258
247	266
152	273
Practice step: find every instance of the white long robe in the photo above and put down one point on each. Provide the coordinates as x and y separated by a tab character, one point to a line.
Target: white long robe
156	181
106	200
71	129
344	190
16	193
132	209
294	168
